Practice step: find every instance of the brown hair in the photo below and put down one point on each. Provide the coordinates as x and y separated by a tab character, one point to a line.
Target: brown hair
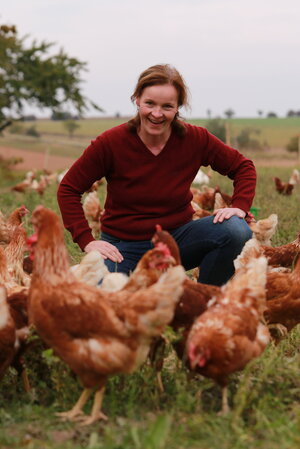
157	75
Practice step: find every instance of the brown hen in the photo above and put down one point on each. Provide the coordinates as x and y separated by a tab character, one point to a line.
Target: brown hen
79	321
230	333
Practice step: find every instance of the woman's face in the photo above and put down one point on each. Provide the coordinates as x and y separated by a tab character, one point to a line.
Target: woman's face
158	106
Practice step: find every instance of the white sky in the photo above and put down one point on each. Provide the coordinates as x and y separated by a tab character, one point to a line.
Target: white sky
237	54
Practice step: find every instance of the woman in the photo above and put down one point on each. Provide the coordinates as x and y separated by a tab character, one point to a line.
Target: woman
149	164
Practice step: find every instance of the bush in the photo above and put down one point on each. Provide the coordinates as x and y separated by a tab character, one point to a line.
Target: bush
293	144
32	131
216	126
244	139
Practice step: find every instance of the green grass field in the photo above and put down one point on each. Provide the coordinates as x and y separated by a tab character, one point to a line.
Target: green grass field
273	132
264	397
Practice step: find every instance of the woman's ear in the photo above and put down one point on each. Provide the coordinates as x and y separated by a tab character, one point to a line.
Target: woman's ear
137	102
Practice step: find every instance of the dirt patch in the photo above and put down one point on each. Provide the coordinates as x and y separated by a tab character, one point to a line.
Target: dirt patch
33	160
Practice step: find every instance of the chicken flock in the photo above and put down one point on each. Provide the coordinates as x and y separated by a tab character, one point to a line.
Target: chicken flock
103	324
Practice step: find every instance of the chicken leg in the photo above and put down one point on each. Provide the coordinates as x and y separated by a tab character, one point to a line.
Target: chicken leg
73	414
96	413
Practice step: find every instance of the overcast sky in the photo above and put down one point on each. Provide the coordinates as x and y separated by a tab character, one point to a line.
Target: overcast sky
238	54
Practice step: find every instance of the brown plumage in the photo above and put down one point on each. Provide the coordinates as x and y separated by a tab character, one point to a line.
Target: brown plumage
264	229
283	255
285	188
230	333
13	333
8	224
92	211
79	321
8	337
283	294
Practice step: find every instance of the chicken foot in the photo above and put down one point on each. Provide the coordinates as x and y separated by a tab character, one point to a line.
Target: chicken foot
96	413
74	413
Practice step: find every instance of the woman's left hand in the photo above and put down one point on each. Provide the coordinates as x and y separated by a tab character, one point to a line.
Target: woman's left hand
227	212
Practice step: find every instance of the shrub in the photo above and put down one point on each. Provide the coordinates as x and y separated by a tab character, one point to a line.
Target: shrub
32	131
216	126
293	144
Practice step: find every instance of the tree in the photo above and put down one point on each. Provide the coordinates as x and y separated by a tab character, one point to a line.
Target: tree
229	113
28	75
260	112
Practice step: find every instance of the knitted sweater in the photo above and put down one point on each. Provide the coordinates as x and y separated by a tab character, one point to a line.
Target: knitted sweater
144	189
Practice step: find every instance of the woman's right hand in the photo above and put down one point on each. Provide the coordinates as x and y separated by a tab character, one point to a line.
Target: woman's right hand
107	250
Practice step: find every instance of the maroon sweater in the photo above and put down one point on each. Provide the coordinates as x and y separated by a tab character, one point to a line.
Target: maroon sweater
143	189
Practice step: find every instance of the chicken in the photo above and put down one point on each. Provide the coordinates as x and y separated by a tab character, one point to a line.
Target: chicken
201	178
79	321
150	267
15	255
284	255
8	338
264	229
92	211
283	294
18	307
40	185
285	188
91	269
295	177
13	333
8	224
230	333
194	299
207	197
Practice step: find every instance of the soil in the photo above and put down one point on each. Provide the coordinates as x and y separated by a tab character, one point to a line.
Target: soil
33	160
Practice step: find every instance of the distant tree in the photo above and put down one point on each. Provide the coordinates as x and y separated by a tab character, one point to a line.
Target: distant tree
229	113
216	126
291	113
30	76
272	114
260	112
70	126
208	112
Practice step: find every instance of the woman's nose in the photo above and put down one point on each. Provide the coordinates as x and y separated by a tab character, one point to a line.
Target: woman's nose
156	111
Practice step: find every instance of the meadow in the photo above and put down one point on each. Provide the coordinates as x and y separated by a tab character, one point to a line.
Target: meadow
264	398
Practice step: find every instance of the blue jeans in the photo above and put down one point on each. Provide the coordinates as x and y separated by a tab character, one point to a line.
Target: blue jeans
202	243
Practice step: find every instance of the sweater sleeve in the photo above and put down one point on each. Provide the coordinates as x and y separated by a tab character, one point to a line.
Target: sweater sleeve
230	162
90	167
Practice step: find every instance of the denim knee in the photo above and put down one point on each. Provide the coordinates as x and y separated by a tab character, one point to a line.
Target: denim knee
237	230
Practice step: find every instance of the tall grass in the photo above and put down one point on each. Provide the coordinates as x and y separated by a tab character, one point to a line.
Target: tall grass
264	397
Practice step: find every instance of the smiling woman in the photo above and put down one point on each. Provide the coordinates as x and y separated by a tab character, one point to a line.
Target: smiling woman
149	164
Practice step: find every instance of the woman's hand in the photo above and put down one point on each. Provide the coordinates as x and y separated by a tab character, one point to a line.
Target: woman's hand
107	250
227	212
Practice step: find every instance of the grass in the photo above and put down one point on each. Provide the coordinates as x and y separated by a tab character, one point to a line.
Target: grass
273	132
264	397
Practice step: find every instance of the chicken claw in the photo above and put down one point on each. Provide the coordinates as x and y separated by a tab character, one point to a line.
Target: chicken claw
76	411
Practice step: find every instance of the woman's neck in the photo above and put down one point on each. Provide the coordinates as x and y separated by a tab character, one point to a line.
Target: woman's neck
154	143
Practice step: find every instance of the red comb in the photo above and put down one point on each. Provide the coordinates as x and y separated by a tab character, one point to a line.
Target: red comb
158	227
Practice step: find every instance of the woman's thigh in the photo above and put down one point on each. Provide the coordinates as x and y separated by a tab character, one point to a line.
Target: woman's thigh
199	237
